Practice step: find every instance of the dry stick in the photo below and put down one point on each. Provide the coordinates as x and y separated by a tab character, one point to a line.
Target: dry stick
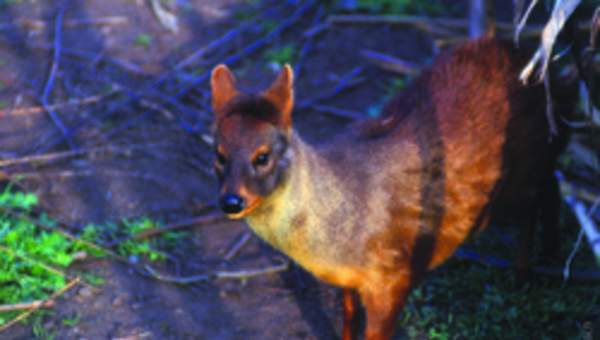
40	109
196	221
431	24
285	25
587	224
52	76
229	35
83	54
57	156
568	189
338	112
391	63
26	306
238	245
39	25
54	296
238	274
346	82
307	47
425	23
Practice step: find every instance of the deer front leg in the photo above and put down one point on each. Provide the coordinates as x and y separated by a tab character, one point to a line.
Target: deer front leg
383	301
349	314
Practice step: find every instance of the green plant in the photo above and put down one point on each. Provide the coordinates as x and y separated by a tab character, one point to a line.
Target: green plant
401	7
38	329
72	321
144	40
282	55
34	260
147	248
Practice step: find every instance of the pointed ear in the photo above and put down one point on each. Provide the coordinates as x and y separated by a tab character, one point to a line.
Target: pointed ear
281	94
222	85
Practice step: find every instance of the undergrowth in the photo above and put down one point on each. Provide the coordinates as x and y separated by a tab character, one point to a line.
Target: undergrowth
463	300
34	261
395	7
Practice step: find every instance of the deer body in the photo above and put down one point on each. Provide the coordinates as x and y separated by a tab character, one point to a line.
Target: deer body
376	208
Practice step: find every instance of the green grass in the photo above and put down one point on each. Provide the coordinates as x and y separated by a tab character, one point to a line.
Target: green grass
465	300
34	261
413	7
282	55
144	40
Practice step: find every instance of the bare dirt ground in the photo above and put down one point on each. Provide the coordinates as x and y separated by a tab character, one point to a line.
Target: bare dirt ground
169	179
105	187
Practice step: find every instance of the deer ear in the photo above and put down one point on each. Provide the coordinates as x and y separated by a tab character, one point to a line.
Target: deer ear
222	85
281	95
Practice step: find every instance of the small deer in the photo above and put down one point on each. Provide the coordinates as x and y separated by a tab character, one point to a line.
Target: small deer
377	207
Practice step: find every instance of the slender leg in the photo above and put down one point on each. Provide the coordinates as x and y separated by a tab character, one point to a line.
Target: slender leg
349	314
525	245
549	216
382	305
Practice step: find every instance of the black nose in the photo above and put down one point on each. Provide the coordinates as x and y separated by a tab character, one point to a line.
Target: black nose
232	204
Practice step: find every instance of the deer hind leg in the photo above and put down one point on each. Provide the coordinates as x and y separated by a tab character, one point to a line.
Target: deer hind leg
549	210
382	303
349	315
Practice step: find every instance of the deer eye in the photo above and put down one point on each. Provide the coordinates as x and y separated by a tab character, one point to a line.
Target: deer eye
262	159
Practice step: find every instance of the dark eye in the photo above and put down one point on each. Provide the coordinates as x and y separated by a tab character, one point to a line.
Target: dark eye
262	159
221	159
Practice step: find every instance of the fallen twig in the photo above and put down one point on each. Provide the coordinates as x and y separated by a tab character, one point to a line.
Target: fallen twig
167	19
26	306
57	156
422	22
76	102
338	112
239	274
585	275
199	53
52	76
295	17
52	297
40	25
238	245
93	56
560	13
569	189
455	29
391	63
193	222
346	82
587	224
308	45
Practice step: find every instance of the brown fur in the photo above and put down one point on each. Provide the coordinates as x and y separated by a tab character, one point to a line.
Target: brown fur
376	208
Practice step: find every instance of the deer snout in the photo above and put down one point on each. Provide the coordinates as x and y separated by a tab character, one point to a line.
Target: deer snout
232	203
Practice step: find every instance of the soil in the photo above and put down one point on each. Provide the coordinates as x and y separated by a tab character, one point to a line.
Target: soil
169	181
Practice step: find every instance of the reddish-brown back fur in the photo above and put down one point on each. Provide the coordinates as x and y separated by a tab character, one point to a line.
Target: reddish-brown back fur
376	208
